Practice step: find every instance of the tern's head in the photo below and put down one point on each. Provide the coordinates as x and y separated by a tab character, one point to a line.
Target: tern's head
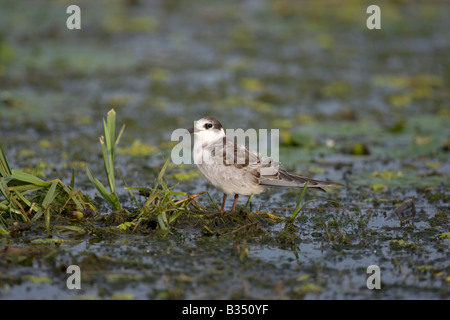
208	128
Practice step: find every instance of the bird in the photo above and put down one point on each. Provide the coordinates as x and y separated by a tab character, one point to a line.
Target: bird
235	170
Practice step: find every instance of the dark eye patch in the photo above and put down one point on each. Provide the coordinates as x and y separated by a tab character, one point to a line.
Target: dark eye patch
213	122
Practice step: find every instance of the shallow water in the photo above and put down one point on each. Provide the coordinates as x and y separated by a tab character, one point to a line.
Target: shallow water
368	108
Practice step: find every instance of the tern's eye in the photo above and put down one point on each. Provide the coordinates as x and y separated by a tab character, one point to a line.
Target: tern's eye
208	125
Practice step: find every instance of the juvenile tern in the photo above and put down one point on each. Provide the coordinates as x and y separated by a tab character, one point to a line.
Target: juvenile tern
248	173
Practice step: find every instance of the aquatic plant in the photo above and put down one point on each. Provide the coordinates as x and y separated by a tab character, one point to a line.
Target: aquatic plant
298	208
27	197
109	143
162	205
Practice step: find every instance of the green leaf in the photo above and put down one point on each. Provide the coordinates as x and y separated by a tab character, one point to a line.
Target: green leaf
162	220
124	226
22	197
144	189
76	196
14	205
98	185
110	131
72	180
5	170
249	202
74	229
108	162
177	193
38	214
300	199
378	187
175	216
110	197
157	182
444	235
5	190
120	135
3	232
163	170
26	177
51	194
108	143
298	207
115	201
129	191
49	197
110	136
212	202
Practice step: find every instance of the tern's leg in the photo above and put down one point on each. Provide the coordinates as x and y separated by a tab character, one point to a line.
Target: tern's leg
222	210
236	196
223	202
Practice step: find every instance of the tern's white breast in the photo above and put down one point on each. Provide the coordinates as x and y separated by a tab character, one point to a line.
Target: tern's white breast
228	178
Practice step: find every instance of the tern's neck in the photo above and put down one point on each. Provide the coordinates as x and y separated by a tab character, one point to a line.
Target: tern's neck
201	143
206	138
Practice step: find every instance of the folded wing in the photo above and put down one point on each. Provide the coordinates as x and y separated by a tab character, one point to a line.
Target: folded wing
263	170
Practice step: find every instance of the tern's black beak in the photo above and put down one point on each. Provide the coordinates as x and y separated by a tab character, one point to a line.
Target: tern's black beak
191	130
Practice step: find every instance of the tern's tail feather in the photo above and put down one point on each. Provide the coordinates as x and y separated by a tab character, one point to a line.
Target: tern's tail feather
285	179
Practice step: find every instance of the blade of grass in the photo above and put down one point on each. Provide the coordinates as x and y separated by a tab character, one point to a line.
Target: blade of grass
5	170
76	197
108	143
271	216
111	142
213	203
249	202
14	204
26	188
4	189
3	231
102	190
162	220
159	178
143	189
108	163
298	207
129	191
7	208
300	199
38	213
72	180
110	131
26	177
49	197
22	198
158	202
163	169
175	216
189	198
119	136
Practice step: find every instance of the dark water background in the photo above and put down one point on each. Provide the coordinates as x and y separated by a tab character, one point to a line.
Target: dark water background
368	108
